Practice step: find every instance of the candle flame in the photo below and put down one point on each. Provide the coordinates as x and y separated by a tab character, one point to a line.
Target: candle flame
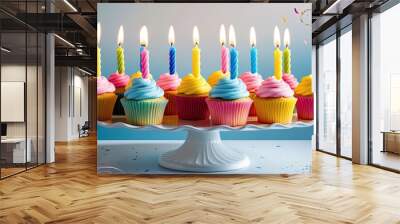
143	37
222	35
252	37
232	37
171	35
286	37
120	40
98	33
277	37
196	36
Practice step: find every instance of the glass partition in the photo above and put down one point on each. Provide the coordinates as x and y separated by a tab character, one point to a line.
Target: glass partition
22	88
327	96
385	89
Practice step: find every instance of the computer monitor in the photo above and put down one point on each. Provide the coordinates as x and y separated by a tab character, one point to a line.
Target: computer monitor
3	129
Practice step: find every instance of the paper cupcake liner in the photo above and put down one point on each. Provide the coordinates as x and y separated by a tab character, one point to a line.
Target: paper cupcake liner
275	110
144	112
252	111
232	113
305	107
171	106
105	106
192	107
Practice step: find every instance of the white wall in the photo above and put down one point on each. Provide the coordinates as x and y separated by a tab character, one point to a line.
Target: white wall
71	102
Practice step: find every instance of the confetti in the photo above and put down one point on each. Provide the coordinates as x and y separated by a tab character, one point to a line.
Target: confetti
284	19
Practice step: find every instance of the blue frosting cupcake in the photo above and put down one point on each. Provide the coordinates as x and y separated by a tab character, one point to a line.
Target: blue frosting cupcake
229	102
144	102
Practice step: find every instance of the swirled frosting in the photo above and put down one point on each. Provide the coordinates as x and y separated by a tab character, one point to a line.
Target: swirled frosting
273	88
119	80
192	85
305	86
252	81
169	82
291	80
104	86
142	89
134	76
216	76
229	89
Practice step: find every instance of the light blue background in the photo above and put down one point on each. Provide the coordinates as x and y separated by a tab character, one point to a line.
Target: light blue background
208	18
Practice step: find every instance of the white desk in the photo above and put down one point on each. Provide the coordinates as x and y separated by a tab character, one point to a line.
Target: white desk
18	150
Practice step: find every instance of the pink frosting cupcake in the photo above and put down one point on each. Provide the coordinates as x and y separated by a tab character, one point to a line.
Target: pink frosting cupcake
119	81
169	83
253	82
106	99
274	102
104	86
291	80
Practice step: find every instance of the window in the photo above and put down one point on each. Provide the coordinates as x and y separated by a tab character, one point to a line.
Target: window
385	89
346	93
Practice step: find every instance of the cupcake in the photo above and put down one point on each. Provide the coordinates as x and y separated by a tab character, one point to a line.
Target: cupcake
216	76
106	99
169	83
191	98
229	102
119	81
252	82
274	101
144	102
291	80
305	99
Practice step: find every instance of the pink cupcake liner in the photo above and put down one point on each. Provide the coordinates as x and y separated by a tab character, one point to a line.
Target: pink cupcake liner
232	113
192	107
305	107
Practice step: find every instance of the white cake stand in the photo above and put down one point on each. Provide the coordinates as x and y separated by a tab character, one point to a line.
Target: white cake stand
203	150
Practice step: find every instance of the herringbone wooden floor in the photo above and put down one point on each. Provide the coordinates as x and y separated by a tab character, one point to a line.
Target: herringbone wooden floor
70	191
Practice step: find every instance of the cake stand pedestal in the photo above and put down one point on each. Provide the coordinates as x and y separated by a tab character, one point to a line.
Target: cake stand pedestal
203	151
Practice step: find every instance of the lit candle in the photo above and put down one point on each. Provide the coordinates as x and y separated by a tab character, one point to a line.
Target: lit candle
253	51
172	50
120	51
98	50
286	53
233	53
224	50
277	55
144	54
196	53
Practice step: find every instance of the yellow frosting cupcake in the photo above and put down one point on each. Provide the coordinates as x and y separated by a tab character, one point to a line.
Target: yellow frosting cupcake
191	98
305	87
192	85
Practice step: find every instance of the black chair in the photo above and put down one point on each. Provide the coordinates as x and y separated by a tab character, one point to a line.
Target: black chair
84	130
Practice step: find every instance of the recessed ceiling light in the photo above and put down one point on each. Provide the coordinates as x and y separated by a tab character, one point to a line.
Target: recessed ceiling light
64	40
84	71
5	50
70	5
326	11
